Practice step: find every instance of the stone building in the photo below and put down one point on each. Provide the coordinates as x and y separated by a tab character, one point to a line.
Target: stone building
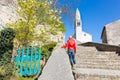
80	35
111	33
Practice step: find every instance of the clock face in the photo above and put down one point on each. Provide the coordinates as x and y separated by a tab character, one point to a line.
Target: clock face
78	23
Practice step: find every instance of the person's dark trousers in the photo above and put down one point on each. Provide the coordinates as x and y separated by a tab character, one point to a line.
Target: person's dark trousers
71	56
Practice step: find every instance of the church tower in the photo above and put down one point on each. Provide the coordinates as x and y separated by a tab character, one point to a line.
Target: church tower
79	35
78	24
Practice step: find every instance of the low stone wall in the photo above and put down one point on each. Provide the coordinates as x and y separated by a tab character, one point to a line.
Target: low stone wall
57	67
103	46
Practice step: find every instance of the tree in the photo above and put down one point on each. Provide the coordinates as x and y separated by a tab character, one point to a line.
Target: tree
31	13
67	8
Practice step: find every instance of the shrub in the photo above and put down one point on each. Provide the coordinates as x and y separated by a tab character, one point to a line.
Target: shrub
6	45
6	40
47	49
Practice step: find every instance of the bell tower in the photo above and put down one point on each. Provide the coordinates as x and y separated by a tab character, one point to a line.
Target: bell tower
79	34
78	25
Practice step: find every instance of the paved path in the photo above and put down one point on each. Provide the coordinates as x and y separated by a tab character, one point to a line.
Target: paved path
57	67
97	71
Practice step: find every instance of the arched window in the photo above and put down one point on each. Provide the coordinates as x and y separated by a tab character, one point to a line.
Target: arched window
84	34
78	23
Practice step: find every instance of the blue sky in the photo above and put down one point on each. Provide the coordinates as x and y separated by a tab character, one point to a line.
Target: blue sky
95	14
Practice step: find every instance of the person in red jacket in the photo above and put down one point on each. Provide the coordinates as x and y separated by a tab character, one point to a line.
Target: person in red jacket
71	47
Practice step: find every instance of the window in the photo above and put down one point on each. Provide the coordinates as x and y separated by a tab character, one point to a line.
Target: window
78	23
84	34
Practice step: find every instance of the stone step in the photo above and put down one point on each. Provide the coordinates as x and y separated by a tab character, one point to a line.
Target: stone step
96	74
104	72
99	64
96	62
95	77
98	59
113	67
93	55
85	50
103	52
107	54
96	52
82	48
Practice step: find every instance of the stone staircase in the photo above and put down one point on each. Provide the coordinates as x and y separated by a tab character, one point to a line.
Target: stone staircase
96	65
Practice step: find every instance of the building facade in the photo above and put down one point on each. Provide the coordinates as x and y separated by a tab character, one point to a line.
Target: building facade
80	35
111	33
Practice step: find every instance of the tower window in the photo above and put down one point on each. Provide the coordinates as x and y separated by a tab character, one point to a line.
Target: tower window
78	23
84	34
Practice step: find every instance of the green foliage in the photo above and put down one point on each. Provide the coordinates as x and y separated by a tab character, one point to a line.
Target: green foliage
6	39
25	25
17	77
2	71
24	78
32	13
47	49
61	28
6	45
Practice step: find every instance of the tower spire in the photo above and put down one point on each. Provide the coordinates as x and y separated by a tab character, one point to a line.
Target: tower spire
80	35
78	14
78	22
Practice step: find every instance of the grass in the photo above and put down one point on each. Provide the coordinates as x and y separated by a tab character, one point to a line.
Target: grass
16	77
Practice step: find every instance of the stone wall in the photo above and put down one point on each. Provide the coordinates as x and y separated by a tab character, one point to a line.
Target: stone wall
104	36
111	33
7	12
57	67
102	46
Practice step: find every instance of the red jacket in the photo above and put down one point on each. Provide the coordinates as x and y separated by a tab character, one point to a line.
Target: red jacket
71	44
